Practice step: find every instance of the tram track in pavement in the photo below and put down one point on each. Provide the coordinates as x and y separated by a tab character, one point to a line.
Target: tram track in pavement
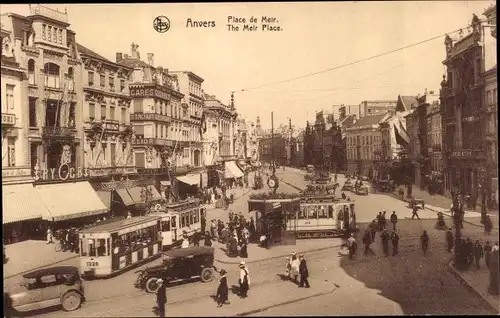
275	268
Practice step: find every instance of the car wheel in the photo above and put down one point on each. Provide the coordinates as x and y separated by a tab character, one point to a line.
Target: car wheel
207	275
71	301
151	285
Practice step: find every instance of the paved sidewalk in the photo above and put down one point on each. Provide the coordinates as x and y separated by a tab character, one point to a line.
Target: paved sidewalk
257	253
40	255
478	280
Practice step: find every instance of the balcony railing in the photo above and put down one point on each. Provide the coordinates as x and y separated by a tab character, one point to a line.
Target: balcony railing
62	132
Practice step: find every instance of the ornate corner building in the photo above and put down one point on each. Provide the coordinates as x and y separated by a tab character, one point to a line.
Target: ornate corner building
465	119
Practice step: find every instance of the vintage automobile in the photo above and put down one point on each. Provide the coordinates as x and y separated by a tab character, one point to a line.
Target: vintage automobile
179	265
310	168
47	287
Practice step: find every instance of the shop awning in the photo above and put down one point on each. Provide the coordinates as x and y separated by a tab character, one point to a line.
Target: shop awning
105	197
232	170
126	198
137	194
66	201
21	202
191	179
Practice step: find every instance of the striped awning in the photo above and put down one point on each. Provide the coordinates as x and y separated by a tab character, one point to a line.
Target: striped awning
232	170
21	202
136	193
126	198
190	179
66	201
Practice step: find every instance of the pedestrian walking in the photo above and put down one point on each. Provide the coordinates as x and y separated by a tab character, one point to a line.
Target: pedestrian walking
395	242
383	219
414	213
196	238
373	230
295	266
367	241
449	240
469	248
50	238
244	247
161	297
304	272
385	242
424	239
487	253
352	246
478	253
394	220
244	280
222	295
208	239
379	221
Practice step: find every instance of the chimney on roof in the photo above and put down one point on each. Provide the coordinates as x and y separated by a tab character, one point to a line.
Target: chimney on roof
134	52
151	60
119	57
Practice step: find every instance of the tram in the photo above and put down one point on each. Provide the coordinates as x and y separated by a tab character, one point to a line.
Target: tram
114	247
321	214
178	219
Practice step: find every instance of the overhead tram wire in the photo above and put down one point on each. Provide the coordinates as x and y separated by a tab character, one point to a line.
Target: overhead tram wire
351	63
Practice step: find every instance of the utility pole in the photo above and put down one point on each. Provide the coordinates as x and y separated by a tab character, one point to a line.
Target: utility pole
272	144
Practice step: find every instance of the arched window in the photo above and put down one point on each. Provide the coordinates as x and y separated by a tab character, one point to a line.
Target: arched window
31	72
71	79
52	75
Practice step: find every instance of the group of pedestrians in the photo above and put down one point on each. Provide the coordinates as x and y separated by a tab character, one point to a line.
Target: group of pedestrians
222	295
296	266
469	253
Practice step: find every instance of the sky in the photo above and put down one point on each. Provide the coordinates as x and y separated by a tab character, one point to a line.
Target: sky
313	37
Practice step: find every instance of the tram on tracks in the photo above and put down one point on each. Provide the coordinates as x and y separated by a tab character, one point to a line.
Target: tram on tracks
114	247
322	214
178	219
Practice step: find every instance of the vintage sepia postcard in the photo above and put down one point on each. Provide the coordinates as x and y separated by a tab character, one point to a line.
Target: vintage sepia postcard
250	159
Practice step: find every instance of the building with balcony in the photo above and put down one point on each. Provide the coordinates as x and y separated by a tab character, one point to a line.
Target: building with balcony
50	114
491	99
252	143
225	119
463	112
160	143
190	86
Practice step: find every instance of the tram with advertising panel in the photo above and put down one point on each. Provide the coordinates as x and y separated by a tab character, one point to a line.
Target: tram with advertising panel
321	214
114	247
178	219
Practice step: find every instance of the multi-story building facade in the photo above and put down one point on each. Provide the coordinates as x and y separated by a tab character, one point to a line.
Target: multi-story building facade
462	113
272	148
347	110
50	114
241	143
157	116
363	142
108	132
15	162
226	137
210	138
192	106
434	141
490	99
252	143
299	149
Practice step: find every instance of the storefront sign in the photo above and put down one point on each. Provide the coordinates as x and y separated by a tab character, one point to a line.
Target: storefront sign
152	171
99	172
8	119
15	172
149	92
461	154
149	116
64	172
152	142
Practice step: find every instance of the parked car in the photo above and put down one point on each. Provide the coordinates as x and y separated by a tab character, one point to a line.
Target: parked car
179	265
47	287
363	190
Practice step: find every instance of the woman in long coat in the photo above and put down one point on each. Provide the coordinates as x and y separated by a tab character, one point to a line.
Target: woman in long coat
294	264
222	291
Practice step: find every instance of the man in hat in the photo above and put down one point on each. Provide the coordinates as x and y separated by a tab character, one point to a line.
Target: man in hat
161	297
478	252
424	240
244	280
394	220
304	272
352	246
385	237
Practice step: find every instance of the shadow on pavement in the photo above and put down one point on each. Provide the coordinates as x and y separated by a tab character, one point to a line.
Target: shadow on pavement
420	284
